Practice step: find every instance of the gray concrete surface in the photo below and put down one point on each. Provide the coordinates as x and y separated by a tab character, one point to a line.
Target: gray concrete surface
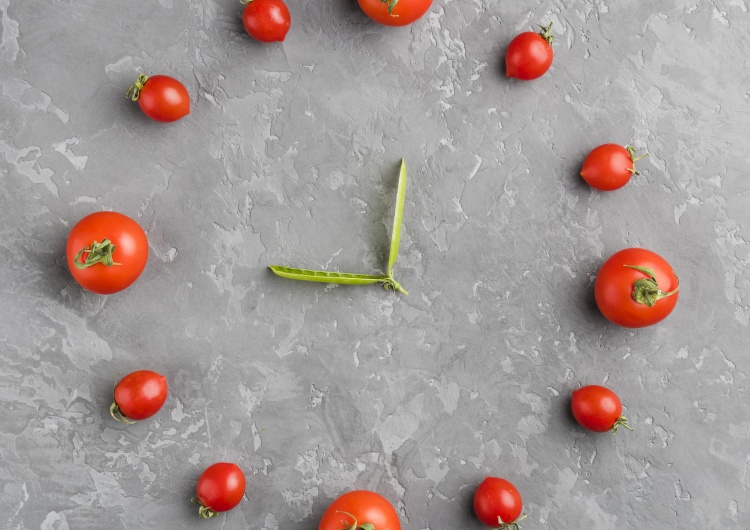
290	157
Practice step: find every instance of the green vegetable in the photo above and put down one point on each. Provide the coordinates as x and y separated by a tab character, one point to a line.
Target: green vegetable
346	278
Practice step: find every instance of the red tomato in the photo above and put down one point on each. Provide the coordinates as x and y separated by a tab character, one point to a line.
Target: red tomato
267	20
610	166
395	12
498	504
220	488
636	288
106	252
138	396
161	98
529	54
356	509
597	408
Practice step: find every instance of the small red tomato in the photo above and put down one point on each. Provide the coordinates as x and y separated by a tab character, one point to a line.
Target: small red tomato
267	20
610	166
220	488
360	509
529	54
598	409
106	252
636	288
138	396
498	504
161	98
395	12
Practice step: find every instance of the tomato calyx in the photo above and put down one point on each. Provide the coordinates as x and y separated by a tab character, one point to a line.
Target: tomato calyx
646	291
546	33
134	92
631	152
355	526
96	253
114	411
622	421
509	526
204	512
391	4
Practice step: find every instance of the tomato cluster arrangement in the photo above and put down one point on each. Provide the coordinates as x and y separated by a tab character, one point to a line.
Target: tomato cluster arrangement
107	251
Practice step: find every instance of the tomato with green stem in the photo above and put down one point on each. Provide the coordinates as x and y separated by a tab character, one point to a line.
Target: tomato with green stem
220	488
530	54
610	166
106	252
636	288
160	97
138	395
498	504
598	409
395	12
266	20
360	510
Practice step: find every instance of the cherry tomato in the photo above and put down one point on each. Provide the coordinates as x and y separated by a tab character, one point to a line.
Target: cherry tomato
106	252
636	288
498	504
220	488
267	20
610	166
356	509
395	12
138	396
597	408
529	54
161	98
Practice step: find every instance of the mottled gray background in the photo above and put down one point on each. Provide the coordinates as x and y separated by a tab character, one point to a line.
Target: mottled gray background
290	156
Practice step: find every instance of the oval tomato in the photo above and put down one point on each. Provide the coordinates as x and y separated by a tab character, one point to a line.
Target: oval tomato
220	488
610	166
598	409
529	54
497	503
161	98
356	509
395	12
267	20
139	395
636	288
106	252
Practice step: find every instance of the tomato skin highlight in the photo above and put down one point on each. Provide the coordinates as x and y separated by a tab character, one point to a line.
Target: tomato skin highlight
614	287
164	99
596	408
131	251
267	20
365	507
140	395
405	12
220	487
529	56
497	498
608	167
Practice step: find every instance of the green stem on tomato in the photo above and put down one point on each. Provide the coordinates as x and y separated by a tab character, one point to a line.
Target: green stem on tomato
645	290
634	159
204	512
115	411
546	33
96	253
622	421
134	92
510	526
391	4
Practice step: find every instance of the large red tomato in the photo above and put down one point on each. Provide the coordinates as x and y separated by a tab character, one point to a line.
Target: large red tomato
498	504
139	395
636	288
529	54
610	166
598	409
395	12
220	488
356	509
161	98
106	252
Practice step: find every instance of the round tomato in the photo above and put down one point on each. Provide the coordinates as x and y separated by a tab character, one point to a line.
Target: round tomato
357	509
220	488
161	98
138	396
610	166
395	12
529	54
106	252
636	288
498	504
267	20
597	408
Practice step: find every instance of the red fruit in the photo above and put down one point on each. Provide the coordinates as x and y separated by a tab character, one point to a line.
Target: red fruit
267	20
161	98
529	54
220	488
139	395
598	409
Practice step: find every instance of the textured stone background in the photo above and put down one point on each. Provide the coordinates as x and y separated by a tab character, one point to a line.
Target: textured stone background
290	156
